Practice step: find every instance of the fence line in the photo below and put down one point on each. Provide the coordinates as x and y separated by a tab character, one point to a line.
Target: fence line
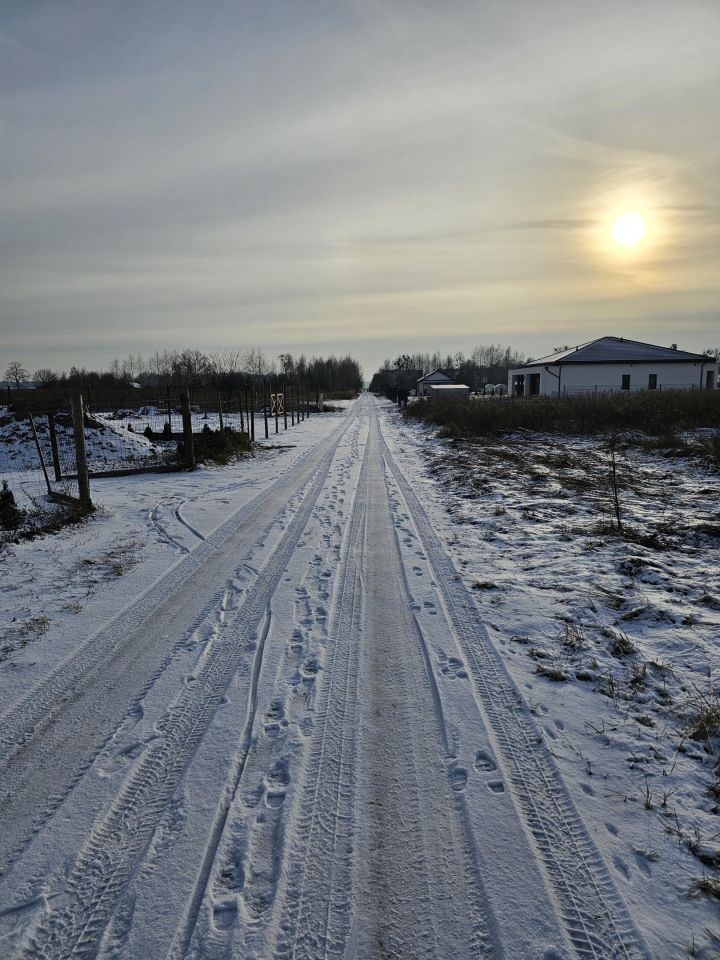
46	455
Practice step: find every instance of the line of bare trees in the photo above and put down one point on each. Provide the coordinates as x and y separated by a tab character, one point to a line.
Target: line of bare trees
190	369
488	363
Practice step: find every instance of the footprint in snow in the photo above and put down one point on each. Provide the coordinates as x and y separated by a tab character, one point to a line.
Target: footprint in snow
458	779
484	762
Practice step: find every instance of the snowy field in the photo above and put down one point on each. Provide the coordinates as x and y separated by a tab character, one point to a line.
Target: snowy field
367	694
615	644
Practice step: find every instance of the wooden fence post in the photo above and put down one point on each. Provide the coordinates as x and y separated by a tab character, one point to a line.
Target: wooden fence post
54	446
266	401
242	421
78	415
188	449
284	396
252	407
292	407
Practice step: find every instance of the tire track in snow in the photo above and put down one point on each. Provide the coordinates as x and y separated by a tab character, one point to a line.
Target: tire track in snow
406	856
24	720
52	735
320	862
596	917
155	523
240	853
419	879
115	845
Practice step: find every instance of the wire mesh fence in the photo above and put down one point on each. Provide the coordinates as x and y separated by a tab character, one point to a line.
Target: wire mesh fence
39	452
34	465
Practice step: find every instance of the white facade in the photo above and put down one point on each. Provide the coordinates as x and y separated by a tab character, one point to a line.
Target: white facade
608	377
646	367
453	391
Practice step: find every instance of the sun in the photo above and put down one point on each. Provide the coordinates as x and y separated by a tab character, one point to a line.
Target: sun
628	229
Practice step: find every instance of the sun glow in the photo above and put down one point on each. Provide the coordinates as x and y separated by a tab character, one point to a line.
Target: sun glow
628	229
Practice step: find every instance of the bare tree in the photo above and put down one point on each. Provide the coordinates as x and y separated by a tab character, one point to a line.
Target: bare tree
17	373
45	377
133	366
255	363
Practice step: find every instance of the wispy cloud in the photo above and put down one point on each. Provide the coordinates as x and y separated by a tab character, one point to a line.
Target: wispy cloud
178	171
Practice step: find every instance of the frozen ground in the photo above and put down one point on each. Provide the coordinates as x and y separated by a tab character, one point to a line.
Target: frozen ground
256	712
615	643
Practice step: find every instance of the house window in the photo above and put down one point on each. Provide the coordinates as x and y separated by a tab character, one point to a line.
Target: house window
534	384
652	381
626	381
710	379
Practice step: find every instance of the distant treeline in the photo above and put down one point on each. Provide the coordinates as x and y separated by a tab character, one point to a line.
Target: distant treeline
486	364
174	370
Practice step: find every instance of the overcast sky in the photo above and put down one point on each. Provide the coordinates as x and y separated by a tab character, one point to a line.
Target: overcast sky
354	176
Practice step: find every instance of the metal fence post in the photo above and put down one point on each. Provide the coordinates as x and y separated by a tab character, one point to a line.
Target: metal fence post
277	408
78	416
54	446
40	455
188	449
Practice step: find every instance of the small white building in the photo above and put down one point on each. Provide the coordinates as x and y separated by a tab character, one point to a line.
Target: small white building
613	363
449	391
434	378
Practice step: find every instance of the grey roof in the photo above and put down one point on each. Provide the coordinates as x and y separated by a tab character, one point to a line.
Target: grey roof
432	374
619	350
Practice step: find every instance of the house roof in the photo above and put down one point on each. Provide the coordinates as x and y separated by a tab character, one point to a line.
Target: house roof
619	350
434	373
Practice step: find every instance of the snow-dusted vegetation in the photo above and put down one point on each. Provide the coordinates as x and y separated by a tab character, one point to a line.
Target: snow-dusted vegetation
612	634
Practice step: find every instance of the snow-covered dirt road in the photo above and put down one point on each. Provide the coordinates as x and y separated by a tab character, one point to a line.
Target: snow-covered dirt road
298	742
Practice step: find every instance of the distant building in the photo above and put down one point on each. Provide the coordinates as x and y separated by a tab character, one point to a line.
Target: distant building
453	391
613	363
436	377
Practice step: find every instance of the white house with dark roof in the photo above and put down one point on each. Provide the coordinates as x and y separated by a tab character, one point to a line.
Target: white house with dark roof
432	379
613	363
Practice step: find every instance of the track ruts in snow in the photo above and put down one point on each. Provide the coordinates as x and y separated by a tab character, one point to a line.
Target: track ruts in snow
231	910
595	915
382	861
419	889
118	842
316	905
61	725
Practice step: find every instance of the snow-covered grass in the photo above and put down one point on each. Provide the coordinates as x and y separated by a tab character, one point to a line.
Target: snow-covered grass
613	639
142	525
